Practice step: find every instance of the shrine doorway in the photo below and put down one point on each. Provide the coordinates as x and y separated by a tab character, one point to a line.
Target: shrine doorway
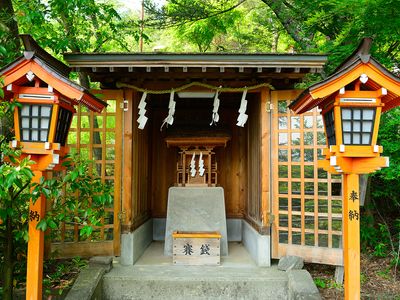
234	154
224	141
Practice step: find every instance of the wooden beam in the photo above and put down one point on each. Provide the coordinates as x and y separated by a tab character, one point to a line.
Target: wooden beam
83	249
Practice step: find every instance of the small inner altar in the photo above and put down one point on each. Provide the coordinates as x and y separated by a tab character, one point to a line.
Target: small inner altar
197	165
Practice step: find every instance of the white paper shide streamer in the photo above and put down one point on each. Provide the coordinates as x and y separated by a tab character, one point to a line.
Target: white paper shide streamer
242	118
193	166
215	115
201	165
169	120
142	120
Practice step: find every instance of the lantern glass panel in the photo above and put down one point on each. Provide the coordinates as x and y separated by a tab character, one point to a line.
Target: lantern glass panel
44	123
346	125
346	138
46	111
63	125
25	135
35	110
25	122
357	125
25	110
367	126
357	114
43	136
369	114
35	122
34	136
366	139
356	138
330	127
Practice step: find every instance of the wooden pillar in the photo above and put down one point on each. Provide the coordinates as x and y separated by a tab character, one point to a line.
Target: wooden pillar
127	163
351	236
34	274
265	156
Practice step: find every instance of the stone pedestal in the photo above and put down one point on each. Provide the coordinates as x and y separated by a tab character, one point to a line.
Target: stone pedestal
196	209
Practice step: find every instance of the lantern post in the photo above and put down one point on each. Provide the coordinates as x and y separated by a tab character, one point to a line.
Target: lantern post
47	97
351	101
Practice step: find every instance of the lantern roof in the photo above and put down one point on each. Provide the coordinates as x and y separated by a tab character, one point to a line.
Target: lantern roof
359	63
37	63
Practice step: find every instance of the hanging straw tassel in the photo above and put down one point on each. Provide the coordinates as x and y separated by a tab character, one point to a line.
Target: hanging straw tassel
193	166
201	165
142	120
242	118
215	115
169	120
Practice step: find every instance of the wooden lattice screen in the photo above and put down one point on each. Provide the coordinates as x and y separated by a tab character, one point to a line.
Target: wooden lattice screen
97	137
307	201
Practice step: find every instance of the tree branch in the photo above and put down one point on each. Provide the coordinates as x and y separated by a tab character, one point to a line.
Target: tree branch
292	26
191	18
20	191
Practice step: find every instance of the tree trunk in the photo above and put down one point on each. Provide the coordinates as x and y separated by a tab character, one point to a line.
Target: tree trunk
8	269
291	21
7	7
7	10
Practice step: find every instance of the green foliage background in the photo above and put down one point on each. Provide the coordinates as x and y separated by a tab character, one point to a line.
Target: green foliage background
317	26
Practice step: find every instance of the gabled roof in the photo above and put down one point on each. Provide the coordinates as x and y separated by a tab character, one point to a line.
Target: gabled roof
360	62
49	70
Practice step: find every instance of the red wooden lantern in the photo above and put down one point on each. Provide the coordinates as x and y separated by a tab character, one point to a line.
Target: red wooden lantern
47	97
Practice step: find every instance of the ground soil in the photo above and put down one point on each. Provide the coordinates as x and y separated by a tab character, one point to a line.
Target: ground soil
58	278
377	279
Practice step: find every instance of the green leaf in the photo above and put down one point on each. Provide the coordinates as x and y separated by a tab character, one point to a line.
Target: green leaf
74	175
42	225
52	224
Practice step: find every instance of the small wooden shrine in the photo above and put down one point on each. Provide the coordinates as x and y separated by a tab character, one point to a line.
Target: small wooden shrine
197	151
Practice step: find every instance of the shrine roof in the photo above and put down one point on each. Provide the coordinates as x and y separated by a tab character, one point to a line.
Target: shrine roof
281	70
56	72
361	56
164	59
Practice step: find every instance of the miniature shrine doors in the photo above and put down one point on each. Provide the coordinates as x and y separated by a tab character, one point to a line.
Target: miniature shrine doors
306	202
97	137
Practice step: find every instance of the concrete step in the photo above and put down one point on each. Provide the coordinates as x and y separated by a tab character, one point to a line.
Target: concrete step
155	277
184	282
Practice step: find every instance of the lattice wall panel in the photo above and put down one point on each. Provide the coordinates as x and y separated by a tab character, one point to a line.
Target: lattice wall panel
98	137
307	200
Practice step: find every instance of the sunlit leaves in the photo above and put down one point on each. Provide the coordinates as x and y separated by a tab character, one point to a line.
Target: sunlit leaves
77	25
77	197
